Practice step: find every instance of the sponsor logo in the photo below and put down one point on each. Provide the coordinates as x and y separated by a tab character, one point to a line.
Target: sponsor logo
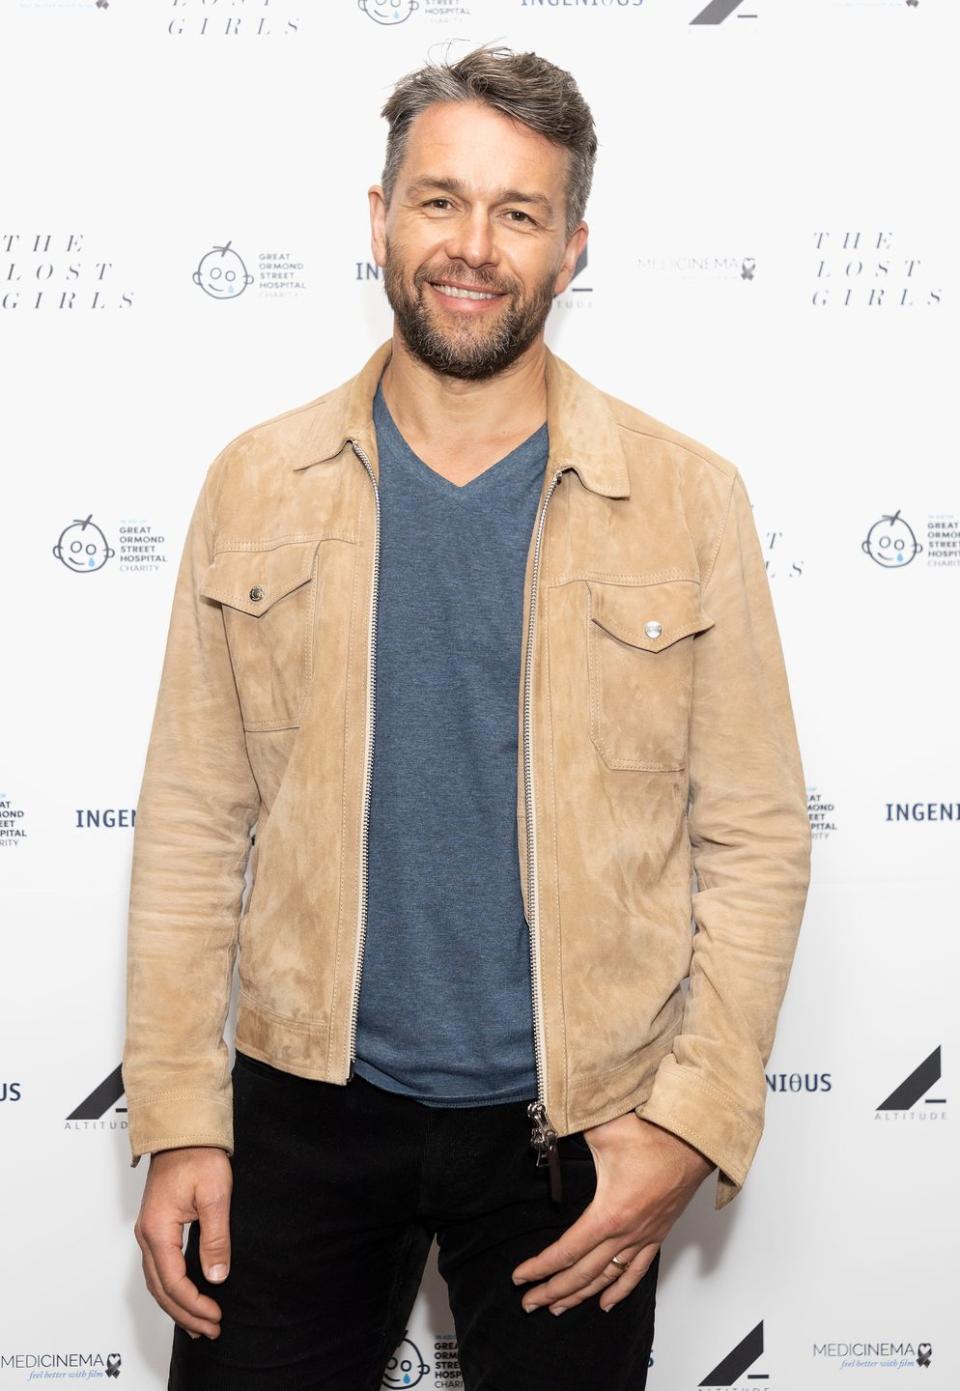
911	1099
83	547
222	274
63	1366
733	1369
407	1368
101	1109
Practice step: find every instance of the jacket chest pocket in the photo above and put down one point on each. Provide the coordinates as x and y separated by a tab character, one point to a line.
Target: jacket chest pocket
640	663
269	600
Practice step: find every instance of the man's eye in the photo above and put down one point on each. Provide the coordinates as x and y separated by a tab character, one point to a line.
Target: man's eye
511	212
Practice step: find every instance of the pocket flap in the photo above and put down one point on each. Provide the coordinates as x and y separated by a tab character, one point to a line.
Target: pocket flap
651	616
253	581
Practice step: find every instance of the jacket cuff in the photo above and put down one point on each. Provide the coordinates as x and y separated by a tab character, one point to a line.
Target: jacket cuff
707	1118
168	1120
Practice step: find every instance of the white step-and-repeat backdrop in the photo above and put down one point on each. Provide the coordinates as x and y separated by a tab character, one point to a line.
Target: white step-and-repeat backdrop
771	269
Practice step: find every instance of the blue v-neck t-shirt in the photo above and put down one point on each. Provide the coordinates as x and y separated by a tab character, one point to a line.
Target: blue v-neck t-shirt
445	1010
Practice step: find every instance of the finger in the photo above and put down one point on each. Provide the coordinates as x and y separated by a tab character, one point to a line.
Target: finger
594	1269
631	1277
579	1239
213	1211
180	1315
171	1267
611	1278
607	1280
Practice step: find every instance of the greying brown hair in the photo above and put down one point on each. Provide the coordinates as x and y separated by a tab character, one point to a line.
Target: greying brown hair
523	86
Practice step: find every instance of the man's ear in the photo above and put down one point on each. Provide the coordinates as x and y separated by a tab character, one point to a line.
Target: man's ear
378	223
574	250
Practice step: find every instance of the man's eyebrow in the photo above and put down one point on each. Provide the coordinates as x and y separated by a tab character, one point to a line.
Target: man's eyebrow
503	195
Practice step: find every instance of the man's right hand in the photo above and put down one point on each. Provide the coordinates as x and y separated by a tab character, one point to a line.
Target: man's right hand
191	1182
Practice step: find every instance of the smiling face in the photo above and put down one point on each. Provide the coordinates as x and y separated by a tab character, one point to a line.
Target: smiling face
83	547
472	245
222	274
891	542
406	1367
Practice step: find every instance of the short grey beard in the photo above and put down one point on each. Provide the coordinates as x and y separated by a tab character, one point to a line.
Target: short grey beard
485	357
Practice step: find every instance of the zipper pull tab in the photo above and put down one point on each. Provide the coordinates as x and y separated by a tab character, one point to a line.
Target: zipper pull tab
543	1138
543	1135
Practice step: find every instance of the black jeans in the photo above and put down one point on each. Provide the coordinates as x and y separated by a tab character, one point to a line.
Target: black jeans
338	1192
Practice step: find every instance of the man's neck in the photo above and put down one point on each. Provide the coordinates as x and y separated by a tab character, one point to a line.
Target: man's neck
463	427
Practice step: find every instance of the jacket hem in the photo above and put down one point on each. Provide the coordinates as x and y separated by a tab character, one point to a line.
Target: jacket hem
285	1043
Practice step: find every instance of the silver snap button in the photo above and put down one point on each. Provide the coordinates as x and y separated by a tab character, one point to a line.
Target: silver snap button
256	593
653	629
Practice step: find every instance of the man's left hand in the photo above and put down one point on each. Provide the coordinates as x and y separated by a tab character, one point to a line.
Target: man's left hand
646	1176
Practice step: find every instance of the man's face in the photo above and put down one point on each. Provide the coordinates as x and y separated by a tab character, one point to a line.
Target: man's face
457	215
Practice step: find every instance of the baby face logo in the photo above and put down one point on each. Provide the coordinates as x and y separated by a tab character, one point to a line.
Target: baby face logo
388	12
406	1367
891	542
221	273
83	547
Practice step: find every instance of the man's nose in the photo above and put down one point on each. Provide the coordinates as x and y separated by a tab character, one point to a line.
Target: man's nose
472	240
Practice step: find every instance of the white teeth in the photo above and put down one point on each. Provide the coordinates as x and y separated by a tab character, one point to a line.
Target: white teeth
456	293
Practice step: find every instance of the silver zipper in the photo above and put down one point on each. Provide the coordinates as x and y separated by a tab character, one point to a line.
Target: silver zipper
364	838
543	1136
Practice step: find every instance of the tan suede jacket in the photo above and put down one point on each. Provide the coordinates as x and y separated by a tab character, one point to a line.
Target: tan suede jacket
662	824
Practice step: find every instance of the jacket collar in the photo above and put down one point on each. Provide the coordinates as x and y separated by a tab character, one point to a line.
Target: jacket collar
581	427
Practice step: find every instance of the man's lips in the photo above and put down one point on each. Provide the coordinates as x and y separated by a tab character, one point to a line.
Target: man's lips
460	285
466	304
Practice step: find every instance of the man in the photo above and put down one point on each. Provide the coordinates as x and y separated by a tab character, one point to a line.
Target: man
530	1038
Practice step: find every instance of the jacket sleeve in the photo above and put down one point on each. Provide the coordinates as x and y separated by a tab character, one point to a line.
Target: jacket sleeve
197	805
750	844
